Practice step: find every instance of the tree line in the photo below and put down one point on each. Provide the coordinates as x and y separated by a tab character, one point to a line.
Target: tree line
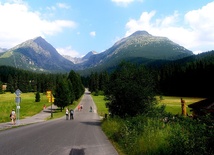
65	87
191	76
131	88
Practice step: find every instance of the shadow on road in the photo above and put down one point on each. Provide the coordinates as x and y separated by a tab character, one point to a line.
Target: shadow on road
98	123
76	151
48	110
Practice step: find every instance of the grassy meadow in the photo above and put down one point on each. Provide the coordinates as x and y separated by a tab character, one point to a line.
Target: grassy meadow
173	103
101	106
28	106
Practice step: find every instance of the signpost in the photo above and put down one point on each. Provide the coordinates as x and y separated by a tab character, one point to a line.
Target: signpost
50	99
18	101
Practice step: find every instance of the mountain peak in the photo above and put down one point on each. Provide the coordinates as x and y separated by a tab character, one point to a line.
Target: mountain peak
36	38
137	33
89	54
39	40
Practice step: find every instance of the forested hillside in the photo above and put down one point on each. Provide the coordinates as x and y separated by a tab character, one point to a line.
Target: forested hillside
191	76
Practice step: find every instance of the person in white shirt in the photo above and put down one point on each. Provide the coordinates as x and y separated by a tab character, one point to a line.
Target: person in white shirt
13	117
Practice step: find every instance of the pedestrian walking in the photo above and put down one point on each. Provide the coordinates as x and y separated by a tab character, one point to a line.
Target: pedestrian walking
13	117
44	107
71	114
79	108
66	113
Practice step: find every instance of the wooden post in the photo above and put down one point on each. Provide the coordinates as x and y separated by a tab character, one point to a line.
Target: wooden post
183	107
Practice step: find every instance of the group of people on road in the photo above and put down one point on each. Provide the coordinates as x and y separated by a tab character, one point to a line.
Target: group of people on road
71	112
13	117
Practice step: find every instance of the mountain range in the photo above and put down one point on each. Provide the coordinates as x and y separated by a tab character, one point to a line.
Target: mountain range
39	55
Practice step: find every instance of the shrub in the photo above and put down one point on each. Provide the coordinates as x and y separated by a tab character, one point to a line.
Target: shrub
149	135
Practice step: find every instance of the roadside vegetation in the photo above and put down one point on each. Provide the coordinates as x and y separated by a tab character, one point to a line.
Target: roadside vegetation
159	131
100	103
142	122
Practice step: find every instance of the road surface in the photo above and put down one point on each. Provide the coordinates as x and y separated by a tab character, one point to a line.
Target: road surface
81	136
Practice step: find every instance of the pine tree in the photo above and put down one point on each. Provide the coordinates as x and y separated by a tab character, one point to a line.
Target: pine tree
130	91
62	93
37	98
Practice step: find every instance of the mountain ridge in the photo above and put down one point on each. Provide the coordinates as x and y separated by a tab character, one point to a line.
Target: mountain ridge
39	55
140	44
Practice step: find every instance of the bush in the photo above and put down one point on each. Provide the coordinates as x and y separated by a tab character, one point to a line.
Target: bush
152	136
37	97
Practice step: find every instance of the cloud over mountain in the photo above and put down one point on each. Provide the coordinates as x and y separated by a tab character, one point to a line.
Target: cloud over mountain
21	23
198	31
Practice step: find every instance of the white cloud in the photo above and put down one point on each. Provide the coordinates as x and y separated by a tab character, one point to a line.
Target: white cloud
93	33
19	24
68	51
124	2
196	32
63	5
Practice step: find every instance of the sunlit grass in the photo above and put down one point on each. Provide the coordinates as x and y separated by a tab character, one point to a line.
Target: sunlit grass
28	106
101	105
173	103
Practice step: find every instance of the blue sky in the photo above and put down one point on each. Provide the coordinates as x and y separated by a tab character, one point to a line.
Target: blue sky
75	27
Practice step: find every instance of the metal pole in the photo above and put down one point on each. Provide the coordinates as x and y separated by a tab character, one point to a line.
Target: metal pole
18	114
51	106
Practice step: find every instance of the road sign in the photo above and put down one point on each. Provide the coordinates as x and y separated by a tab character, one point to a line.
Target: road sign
18	92
18	99
48	94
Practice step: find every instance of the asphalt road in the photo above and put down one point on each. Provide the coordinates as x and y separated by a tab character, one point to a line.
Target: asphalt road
80	136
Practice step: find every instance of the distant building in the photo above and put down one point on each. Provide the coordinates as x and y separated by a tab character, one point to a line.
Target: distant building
4	87
202	107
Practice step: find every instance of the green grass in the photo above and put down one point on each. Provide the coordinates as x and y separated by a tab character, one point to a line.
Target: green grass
173	103
101	105
28	106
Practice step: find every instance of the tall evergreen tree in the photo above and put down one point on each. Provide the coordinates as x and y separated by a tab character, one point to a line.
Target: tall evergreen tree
62	93
130	91
10	84
78	87
1	91
71	89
